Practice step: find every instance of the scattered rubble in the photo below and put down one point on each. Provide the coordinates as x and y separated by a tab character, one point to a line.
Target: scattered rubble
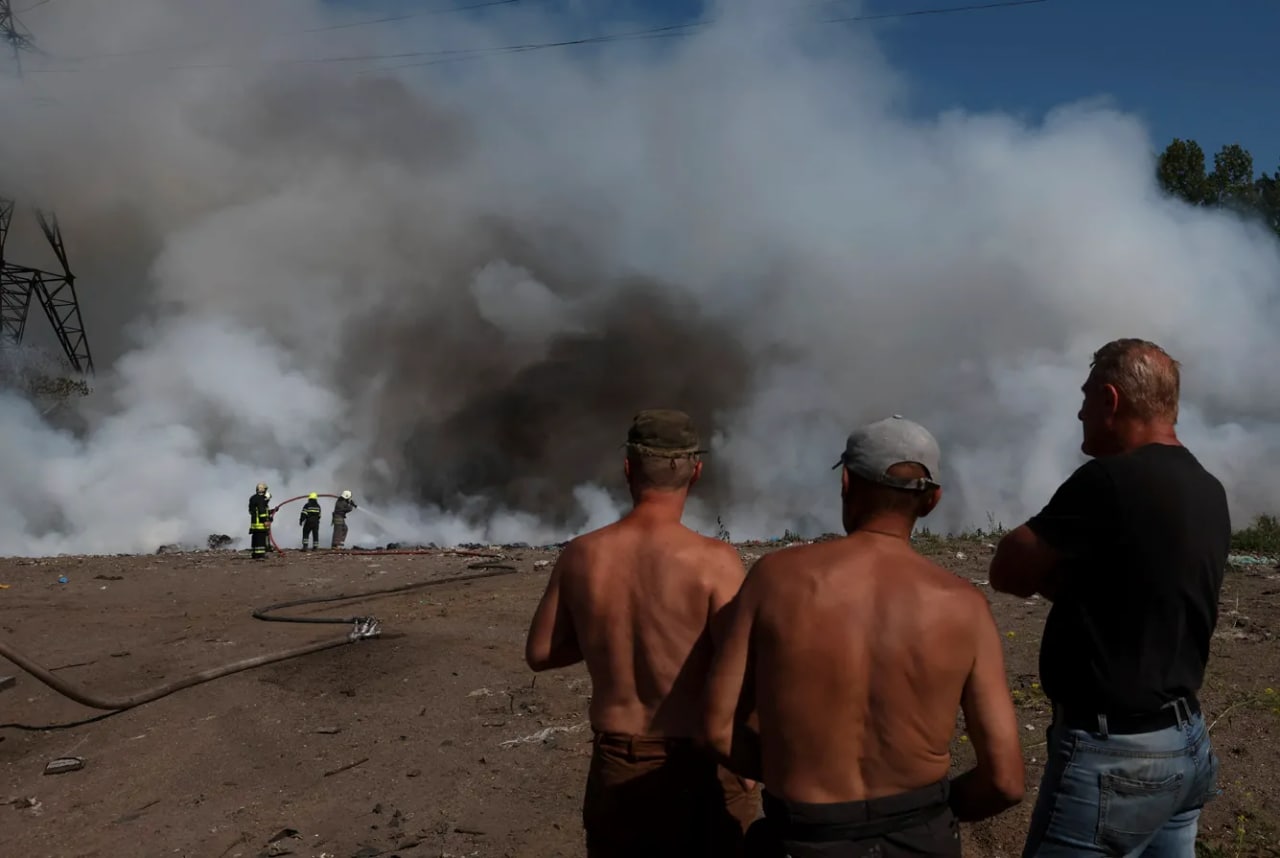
283	843
1251	560
543	735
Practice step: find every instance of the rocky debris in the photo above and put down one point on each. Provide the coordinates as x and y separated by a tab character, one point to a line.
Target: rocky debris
283	842
64	764
219	540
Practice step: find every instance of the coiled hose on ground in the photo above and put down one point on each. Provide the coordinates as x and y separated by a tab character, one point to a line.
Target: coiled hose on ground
363	628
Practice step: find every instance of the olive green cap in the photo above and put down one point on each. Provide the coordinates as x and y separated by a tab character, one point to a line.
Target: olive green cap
663	432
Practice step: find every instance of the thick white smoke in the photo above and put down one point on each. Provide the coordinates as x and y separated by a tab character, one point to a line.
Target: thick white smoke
448	288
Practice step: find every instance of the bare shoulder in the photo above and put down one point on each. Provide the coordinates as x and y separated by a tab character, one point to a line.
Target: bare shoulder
714	562
720	554
777	565
811	555
964	597
577	552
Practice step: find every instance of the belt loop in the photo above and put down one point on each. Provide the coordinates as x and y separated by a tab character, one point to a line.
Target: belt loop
1102	725
631	748
1182	709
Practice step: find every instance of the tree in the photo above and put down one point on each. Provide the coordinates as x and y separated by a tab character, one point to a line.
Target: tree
1180	171
1231	185
1269	199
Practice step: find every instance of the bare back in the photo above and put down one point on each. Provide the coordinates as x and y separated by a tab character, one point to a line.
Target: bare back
862	652
641	595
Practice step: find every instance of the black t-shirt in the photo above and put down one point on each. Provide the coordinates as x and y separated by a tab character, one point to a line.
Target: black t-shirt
1145	535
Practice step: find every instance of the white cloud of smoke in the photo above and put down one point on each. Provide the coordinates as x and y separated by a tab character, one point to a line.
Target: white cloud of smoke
448	291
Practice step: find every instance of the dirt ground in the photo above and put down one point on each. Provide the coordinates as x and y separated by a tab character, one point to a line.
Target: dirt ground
438	742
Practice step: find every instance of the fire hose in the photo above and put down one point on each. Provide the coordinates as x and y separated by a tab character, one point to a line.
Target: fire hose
271	534
363	628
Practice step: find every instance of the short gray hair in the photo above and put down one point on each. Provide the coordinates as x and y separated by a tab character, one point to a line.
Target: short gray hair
1146	377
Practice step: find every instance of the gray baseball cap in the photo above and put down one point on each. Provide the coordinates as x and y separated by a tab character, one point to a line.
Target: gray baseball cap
876	447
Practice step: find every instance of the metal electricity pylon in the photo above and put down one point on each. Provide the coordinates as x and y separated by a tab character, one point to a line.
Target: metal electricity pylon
12	31
55	292
20	283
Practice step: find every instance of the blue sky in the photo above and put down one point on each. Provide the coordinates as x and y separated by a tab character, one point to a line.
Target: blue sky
1190	68
1204	69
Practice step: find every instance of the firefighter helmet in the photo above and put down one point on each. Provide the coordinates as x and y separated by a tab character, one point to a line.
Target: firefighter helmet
262	488
312	496
346	495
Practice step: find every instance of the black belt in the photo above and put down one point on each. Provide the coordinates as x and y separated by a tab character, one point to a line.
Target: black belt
1170	715
855	820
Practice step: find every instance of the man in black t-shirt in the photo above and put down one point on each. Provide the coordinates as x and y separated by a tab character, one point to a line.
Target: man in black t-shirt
1131	549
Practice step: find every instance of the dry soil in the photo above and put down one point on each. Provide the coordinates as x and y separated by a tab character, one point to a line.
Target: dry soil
435	742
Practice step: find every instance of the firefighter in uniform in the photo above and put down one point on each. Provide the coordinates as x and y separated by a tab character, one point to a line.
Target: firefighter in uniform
259	521
341	507
310	521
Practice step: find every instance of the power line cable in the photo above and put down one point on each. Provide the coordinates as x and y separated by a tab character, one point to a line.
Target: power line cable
405	17
444	10
684	30
456	54
943	11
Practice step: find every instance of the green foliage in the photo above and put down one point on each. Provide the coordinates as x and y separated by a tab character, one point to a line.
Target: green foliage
1261	537
1181	171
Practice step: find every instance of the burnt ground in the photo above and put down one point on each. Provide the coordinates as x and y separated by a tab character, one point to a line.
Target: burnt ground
438	742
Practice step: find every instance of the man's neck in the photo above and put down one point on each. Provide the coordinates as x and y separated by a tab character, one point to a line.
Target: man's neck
658	506
882	525
1135	434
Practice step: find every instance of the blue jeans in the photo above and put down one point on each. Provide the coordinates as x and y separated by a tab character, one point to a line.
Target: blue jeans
1124	795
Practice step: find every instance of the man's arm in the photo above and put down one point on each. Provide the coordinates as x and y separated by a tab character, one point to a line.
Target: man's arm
745	742
996	782
552	640
1025	564
1029	559
728	696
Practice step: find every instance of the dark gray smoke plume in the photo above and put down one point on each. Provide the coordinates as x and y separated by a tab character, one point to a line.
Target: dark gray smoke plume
449	288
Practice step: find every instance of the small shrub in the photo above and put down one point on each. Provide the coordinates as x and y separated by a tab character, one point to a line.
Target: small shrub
1261	537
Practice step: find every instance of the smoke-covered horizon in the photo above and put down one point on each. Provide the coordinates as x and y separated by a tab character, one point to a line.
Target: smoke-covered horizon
448	289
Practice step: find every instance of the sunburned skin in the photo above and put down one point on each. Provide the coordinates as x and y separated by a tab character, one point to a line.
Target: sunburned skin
854	656
635	600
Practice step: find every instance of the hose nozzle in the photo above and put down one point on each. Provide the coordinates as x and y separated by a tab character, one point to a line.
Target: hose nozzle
365	628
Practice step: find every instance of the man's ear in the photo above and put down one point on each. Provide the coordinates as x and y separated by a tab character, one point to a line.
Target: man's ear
1110	399
844	483
697	473
626	468
930	502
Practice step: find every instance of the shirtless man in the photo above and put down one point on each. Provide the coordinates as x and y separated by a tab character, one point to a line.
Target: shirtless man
635	600
861	651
